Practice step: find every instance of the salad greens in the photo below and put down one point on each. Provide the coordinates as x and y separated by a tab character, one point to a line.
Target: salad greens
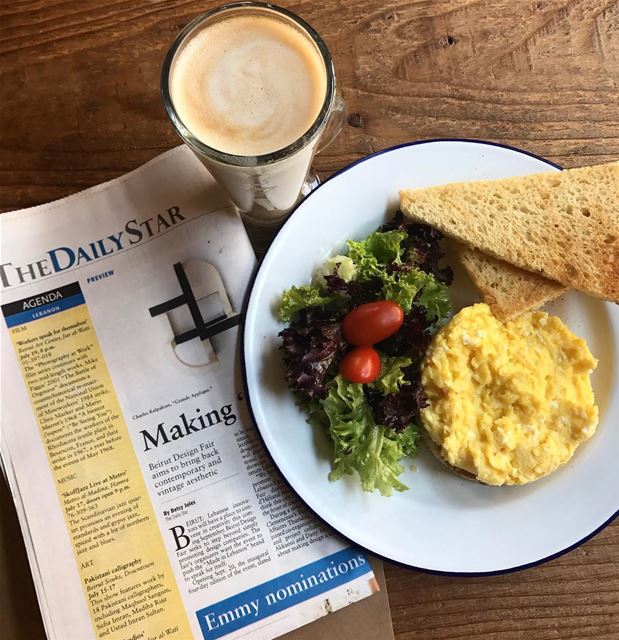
297	298
372	426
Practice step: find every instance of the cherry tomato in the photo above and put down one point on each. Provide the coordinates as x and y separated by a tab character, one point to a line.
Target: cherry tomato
370	323
362	364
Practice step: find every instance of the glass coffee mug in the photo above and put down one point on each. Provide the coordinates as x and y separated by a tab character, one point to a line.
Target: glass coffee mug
266	185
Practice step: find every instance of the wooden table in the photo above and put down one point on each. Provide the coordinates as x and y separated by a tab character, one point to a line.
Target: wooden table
80	105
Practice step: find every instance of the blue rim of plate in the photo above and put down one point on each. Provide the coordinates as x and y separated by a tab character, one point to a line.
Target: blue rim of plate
458	574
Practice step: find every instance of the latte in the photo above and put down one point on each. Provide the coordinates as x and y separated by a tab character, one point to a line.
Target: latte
248	84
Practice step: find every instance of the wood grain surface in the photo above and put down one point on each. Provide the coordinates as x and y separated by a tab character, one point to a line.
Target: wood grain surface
80	105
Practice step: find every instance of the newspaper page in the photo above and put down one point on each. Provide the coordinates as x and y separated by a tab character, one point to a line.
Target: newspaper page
149	507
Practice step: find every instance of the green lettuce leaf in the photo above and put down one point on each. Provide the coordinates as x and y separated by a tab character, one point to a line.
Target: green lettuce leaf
404	286
408	439
391	376
435	299
360	446
377	250
297	298
316	415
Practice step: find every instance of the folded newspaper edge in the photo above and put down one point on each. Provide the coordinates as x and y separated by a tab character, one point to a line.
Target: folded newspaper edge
148	506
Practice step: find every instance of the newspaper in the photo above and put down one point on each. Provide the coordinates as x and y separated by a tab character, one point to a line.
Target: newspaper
149	508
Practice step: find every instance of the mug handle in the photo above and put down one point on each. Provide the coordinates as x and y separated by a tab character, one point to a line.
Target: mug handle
334	125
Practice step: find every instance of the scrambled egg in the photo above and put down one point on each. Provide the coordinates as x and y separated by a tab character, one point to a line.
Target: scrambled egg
508	402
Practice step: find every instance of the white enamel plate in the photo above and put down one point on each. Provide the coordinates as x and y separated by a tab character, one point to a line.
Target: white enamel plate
442	523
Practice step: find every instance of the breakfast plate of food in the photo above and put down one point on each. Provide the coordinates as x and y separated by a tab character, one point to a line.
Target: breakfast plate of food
430	354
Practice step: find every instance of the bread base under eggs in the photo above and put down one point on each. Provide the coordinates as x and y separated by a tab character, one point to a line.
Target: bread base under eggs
435	449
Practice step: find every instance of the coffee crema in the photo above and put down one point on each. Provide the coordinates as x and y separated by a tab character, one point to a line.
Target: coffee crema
248	85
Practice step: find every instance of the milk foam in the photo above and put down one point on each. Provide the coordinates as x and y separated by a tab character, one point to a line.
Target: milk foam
248	85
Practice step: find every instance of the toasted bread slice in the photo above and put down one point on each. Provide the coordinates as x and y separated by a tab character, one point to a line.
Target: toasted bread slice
506	289
562	225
